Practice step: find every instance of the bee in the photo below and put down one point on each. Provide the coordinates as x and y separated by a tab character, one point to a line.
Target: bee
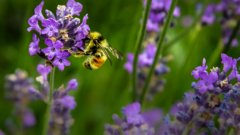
97	50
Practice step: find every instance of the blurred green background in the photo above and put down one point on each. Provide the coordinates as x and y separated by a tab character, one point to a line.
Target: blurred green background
105	91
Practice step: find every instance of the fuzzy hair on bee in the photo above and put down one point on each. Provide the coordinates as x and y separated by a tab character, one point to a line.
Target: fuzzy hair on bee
97	50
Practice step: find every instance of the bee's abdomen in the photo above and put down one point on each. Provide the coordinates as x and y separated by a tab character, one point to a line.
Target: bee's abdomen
97	63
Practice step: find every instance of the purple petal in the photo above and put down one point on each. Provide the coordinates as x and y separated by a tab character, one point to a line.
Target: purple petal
177	12
58	44
38	11
152	26
75	7
68	102
228	62
128	66
29	119
33	22
132	109
48	42
43	69
72	84
33	47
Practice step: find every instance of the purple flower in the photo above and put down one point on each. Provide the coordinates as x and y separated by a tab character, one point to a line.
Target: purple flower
72	84
29	119
132	124
200	71
61	60
209	15
228	62
207	80
128	65
75	7
68	102
44	70
33	21
38	11
176	12
84	29
224	12
158	13
132	113
152	117
147	57
53	48
63	103
152	26
51	27
34	45
17	91
61	32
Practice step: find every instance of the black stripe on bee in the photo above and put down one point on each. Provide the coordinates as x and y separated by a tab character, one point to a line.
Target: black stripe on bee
95	60
100	38
87	65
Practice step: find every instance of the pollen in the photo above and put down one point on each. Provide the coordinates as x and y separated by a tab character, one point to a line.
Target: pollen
64	34
224	82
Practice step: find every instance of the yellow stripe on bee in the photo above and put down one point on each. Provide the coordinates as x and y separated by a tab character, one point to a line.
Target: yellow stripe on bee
98	62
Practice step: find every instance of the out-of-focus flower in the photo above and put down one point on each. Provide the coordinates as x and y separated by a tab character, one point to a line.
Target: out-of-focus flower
145	61
61	32
209	15
133	122
17	87
63	103
1	132
225	12
158	14
21	90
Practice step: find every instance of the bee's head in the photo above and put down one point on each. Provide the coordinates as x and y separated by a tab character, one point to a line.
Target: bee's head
94	35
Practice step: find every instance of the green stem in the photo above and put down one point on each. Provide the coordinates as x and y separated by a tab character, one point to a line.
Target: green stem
138	45
49	104
232	36
159	51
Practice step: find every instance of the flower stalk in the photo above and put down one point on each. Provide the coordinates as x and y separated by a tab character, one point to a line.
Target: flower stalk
49	104
138	46
159	51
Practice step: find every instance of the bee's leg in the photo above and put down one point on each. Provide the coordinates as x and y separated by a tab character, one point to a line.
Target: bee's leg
49	63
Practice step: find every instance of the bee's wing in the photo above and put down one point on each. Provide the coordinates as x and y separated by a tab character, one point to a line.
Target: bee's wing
106	53
115	52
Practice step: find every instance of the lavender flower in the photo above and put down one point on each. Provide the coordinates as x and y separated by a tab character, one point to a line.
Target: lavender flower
214	105
133	123
61	32
17	87
145	61
62	104
158	13
226	12
21	90
61	120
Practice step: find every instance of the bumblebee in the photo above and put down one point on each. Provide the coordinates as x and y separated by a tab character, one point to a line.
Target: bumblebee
97	50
